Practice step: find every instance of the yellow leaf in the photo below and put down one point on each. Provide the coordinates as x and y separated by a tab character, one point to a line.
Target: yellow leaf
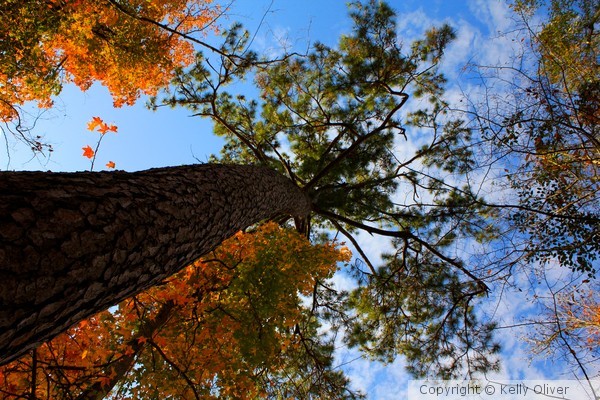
94	123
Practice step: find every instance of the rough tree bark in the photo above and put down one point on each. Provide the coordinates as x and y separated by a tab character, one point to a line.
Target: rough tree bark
74	244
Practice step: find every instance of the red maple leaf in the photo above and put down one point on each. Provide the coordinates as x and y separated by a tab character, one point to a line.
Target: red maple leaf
88	152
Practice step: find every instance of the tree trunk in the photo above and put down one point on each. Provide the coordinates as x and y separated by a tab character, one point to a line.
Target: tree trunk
74	244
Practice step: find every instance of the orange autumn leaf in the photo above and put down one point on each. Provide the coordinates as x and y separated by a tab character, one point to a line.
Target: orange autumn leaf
94	123
129	351
107	128
88	152
104	381
110	164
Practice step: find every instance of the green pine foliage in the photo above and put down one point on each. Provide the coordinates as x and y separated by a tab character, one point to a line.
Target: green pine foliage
335	122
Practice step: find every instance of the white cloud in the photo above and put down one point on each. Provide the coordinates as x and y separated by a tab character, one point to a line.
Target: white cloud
461	50
375	379
494	14
412	25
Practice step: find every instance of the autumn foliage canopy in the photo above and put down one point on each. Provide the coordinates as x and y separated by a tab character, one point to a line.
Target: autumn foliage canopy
132	47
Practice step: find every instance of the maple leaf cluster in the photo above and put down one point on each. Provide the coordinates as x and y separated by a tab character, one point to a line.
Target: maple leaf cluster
102	127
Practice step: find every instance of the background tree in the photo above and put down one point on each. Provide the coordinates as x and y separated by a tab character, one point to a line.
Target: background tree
539	127
569	328
543	127
563	130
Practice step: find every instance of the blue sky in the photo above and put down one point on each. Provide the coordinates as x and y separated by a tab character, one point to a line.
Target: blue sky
171	137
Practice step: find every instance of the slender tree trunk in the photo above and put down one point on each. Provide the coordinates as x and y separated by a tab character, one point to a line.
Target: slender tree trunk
74	244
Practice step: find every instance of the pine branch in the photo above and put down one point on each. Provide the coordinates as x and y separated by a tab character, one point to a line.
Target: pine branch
355	244
405	234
